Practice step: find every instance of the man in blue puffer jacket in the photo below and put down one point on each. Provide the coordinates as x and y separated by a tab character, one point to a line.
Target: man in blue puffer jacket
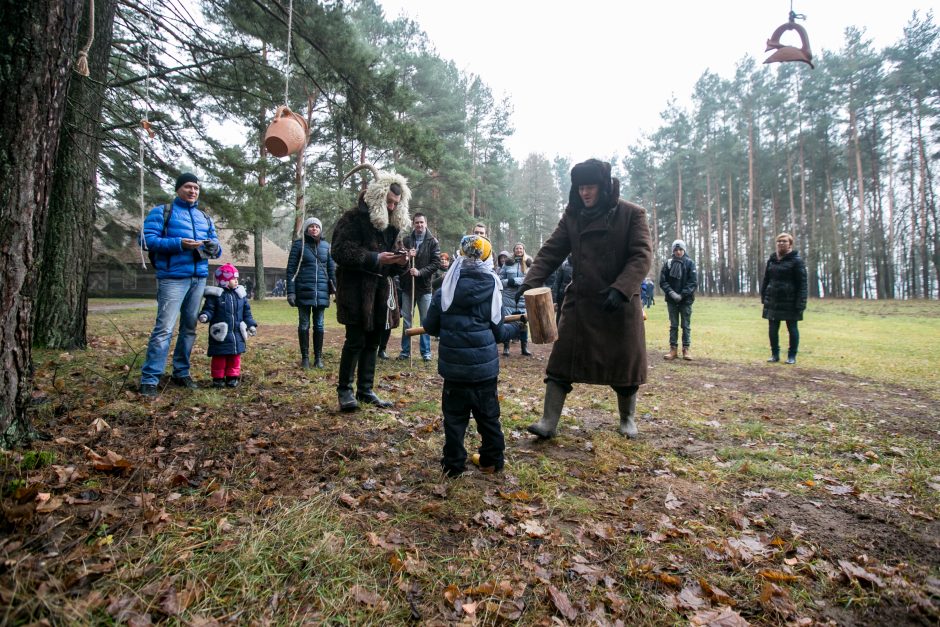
182	245
467	315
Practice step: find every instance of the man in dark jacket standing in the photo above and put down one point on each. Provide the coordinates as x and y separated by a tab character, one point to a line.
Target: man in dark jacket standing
678	281
425	250
601	337
182	240
366	248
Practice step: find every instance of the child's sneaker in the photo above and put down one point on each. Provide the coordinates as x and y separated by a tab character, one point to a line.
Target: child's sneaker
218	383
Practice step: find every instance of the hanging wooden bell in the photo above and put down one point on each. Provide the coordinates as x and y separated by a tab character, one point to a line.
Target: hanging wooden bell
783	53
286	134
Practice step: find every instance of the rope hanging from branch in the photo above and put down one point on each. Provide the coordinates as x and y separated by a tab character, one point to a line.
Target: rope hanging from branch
81	63
290	32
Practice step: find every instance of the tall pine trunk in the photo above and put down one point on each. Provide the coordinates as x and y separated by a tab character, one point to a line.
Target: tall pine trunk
36	51
62	292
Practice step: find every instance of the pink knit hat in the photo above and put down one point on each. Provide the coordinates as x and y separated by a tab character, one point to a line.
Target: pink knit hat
226	273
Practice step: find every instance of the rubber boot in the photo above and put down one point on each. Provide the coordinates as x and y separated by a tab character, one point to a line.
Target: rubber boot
524	343
505	349
686	353
232	382
547	427
303	337
672	354
627	406
774	356
344	384
364	391
317	349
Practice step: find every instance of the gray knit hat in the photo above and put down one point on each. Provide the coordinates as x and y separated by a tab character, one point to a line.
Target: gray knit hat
678	244
310	221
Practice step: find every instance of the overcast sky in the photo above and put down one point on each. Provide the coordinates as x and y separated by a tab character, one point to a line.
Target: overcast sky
590	77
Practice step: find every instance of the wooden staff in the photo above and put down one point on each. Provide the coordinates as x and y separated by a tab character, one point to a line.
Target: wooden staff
420	330
411	355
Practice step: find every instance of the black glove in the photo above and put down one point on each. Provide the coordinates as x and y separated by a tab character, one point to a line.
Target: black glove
292	300
212	247
519	292
676	296
614	301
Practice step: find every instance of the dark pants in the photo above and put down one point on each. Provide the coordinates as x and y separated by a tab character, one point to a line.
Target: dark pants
793	330
358	357
624	390
458	402
679	311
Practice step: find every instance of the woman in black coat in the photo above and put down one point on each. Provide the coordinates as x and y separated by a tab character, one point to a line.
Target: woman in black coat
311	278
783	293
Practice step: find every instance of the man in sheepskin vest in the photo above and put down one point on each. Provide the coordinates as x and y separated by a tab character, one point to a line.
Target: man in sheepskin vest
368	252
601	338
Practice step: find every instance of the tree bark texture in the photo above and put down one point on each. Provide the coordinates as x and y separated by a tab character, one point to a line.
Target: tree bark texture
61	311
35	66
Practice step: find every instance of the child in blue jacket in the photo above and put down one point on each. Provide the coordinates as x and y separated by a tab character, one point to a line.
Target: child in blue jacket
230	323
467	315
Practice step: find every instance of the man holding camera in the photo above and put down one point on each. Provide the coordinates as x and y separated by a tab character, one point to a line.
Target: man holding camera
182	239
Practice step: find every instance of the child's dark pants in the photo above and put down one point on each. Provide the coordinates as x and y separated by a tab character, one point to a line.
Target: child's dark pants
458	402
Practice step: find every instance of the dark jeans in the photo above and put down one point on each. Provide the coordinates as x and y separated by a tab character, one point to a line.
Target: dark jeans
303	321
793	330
677	311
458	402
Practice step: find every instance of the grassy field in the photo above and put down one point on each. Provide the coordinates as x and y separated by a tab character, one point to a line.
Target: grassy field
756	493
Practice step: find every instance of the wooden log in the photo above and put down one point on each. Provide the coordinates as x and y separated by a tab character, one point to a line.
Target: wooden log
419	330
540	312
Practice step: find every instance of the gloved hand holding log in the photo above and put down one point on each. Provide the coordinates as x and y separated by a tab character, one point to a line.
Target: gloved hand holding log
420	330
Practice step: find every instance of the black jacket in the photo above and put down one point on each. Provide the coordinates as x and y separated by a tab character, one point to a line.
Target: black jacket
685	284
784	288
427	261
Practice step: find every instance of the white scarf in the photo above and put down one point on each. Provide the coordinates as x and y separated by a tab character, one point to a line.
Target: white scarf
450	286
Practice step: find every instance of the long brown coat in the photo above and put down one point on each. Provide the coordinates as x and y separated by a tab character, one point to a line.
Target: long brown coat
613	250
362	285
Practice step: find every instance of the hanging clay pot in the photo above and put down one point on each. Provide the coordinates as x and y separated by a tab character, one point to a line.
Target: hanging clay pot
287	134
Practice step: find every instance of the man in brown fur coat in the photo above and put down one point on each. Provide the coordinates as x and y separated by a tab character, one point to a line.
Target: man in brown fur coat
368	252
601	338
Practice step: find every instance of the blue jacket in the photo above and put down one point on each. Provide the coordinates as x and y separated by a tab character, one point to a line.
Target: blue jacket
227	309
171	261
467	351
317	272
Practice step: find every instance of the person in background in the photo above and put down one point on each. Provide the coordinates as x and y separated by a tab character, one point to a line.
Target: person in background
425	251
783	292
511	276
649	290
438	279
311	280
562	280
601	335
466	313
182	239
502	258
368	251
228	313
678	281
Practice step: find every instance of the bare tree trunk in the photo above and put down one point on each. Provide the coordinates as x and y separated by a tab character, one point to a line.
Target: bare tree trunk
835	268
37	47
752	262
862	279
679	200
708	232
732	240
62	292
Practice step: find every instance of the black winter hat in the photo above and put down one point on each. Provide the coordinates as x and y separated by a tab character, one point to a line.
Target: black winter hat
590	172
185	177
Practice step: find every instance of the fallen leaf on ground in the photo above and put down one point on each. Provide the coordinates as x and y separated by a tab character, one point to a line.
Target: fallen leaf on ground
723	617
777	600
715	593
853	571
777	575
560	599
533	529
690	598
672	502
367	597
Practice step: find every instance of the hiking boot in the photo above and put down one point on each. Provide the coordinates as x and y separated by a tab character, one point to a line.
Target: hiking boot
318	363
371	398
686	353
774	357
425	357
791	359
305	362
672	354
184	382
149	390
547	427
627	406
525	348
506	350
383	354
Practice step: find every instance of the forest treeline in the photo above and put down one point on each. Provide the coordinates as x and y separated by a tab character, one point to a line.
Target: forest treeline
843	156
